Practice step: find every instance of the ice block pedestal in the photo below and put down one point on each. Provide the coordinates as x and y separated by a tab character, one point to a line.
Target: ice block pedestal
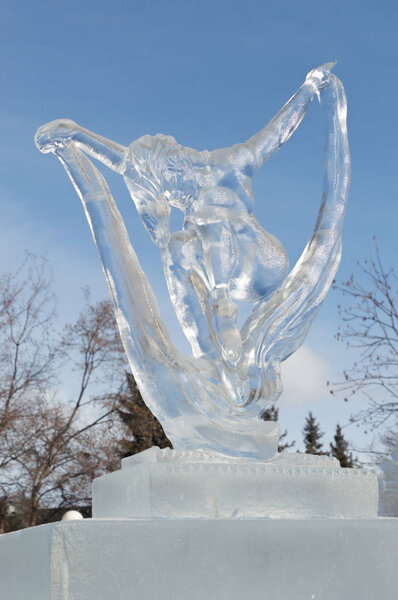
196	526
164	484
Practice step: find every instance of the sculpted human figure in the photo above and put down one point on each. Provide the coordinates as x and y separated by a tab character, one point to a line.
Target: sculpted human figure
221	256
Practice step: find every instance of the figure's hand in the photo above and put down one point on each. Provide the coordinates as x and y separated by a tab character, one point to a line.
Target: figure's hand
55	134
320	76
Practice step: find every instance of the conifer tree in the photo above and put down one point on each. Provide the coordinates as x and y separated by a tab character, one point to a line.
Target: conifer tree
272	414
142	427
312	436
340	449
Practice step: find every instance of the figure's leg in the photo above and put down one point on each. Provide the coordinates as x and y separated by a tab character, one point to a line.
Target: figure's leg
220	256
189	291
57	133
208	318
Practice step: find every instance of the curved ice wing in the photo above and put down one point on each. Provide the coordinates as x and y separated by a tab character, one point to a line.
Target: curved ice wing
278	327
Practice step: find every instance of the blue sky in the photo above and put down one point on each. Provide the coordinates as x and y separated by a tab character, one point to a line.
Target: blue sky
211	73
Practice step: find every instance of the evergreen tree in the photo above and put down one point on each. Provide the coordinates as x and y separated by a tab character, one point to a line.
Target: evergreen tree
340	449
142	427
272	414
312	436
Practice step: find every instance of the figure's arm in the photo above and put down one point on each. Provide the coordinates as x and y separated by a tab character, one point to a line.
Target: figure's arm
264	143
57	134
278	327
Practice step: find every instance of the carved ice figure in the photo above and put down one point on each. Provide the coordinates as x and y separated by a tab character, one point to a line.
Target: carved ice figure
222	255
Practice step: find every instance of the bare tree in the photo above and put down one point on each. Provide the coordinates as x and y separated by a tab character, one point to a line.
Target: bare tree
51	449
73	439
27	357
370	326
64	457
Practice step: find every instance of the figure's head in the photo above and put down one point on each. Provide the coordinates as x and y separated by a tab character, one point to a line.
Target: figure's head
159	175
161	167
180	181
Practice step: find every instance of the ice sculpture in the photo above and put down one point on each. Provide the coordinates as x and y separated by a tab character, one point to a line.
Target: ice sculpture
389	485
214	399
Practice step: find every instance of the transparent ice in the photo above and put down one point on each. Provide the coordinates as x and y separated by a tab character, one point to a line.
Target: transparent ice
221	256
389	485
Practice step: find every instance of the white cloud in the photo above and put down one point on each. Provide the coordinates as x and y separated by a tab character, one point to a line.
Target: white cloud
304	377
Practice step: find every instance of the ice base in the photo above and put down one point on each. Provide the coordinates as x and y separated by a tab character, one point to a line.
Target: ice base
171	484
207	559
203	527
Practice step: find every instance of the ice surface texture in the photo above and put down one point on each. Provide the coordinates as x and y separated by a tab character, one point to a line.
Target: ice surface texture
222	255
202	559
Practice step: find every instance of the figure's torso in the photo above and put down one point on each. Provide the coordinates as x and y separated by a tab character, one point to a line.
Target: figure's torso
215	195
